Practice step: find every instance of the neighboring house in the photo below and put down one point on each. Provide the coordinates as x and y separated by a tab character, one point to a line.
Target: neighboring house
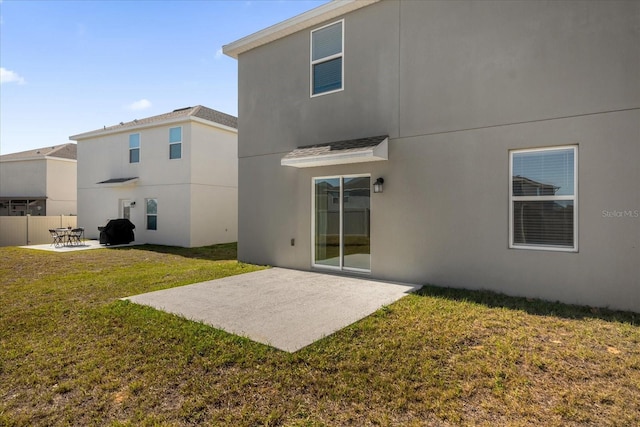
465	109
174	176
39	182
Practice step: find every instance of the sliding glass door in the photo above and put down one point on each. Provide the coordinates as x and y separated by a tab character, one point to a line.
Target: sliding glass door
327	221
356	237
341	234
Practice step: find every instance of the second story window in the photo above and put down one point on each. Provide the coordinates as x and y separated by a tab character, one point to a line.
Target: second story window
327	51
175	143
134	148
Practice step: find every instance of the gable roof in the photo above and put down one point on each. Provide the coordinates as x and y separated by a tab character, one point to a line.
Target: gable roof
63	151
301	22
198	112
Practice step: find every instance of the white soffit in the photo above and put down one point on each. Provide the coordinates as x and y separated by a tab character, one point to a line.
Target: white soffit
298	23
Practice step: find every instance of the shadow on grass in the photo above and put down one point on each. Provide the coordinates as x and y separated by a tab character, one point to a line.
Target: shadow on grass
530	305
222	252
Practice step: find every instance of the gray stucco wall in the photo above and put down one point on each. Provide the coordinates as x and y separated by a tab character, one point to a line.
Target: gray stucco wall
457	85
467	65
275	112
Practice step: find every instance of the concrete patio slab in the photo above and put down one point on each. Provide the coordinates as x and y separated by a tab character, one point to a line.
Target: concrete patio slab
286	309
86	245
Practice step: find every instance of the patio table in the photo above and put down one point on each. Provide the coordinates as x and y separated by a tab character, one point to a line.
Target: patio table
64	235
70	236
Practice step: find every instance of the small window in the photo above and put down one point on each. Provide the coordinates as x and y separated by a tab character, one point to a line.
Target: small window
543	199
134	148
152	214
175	143
327	69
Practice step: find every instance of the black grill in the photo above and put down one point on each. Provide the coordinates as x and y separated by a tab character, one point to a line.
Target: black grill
117	232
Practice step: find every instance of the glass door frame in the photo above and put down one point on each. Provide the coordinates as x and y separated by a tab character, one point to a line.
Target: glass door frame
340	266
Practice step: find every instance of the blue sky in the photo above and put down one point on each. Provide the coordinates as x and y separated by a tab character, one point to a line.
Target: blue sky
69	67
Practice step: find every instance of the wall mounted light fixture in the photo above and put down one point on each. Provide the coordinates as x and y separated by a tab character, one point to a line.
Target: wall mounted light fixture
377	186
132	204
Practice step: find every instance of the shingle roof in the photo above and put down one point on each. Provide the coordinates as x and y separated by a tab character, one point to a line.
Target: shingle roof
199	111
215	116
119	180
63	151
346	146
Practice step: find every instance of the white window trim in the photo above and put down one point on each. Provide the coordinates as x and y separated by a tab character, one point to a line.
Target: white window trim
325	59
574	198
340	266
176	142
139	147
147	214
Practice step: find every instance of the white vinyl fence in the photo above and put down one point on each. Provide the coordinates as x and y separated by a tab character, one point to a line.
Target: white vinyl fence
31	230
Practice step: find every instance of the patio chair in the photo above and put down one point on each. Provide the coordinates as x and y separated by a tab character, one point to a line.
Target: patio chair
58	238
76	235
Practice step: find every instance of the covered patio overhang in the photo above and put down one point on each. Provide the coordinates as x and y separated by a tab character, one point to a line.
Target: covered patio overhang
360	150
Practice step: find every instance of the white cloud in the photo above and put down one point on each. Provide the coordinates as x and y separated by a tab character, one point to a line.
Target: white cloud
8	76
143	104
218	54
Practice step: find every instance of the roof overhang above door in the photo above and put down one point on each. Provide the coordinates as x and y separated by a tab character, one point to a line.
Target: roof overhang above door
120	181
361	150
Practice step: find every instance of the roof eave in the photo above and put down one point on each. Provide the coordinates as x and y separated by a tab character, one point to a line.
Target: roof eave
62	159
214	124
126	128
38	157
24	159
297	23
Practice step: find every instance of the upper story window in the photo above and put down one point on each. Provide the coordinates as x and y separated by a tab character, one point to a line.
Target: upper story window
175	143
134	148
327	51
543	199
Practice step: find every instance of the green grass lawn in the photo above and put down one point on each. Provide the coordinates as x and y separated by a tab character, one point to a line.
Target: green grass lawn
72	353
